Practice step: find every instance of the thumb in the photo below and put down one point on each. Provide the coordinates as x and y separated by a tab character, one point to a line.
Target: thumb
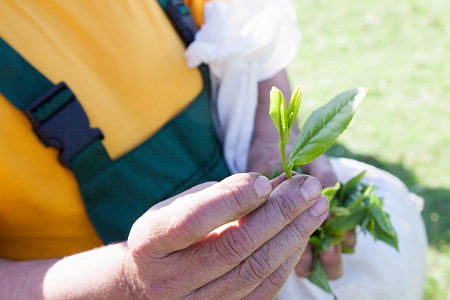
169	201
191	217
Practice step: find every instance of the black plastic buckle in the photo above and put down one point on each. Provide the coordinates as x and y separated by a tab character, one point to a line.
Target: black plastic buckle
67	129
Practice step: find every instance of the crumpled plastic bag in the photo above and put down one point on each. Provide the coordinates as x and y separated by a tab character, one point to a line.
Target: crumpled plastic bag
243	42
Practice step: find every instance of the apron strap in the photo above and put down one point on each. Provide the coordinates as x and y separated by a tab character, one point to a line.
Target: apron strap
116	193
181	19
58	119
20	82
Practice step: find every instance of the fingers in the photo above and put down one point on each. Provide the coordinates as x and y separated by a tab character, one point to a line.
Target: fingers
191	217
272	285
169	201
280	179
350	239
321	169
304	266
332	261
266	259
221	252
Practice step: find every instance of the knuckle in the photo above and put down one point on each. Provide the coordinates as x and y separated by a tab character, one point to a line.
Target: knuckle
191	224
236	196
277	279
299	231
285	205
164	290
156	291
256	267
234	246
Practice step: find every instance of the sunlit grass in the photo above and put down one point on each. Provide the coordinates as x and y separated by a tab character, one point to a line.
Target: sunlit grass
438	279
399	50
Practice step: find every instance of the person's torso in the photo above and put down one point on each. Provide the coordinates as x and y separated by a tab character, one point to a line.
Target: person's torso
125	63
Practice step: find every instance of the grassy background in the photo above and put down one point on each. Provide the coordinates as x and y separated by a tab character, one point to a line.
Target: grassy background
400	50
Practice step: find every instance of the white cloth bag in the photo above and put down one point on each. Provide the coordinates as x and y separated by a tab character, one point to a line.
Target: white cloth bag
377	271
243	42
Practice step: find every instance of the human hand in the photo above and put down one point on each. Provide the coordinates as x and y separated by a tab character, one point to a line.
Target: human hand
321	169
331	259
178	252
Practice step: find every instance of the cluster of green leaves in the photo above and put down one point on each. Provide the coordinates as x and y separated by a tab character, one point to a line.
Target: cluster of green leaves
352	204
320	130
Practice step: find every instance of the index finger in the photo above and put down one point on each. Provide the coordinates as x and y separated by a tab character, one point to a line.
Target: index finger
280	179
191	217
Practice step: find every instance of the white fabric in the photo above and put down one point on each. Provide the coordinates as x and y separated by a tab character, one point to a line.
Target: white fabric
377	271
243	42
246	41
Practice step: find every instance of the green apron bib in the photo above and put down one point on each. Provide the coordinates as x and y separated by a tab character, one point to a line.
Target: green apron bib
184	153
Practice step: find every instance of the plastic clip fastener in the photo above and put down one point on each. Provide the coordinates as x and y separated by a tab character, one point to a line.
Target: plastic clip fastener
60	121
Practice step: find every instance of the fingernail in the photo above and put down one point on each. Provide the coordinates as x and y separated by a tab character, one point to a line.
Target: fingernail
320	207
330	253
262	187
333	250
311	187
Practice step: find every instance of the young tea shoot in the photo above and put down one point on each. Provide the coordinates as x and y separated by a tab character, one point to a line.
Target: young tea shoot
351	204
320	130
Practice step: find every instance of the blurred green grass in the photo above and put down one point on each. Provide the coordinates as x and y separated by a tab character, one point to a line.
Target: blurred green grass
400	51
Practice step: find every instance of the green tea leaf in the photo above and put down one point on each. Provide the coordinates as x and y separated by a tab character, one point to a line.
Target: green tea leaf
371	227
278	114
382	220
340	211
340	195
316	242
275	173
275	105
336	225
351	196
365	222
284	126
318	276
355	180
324	126
294	105
388	239
329	241
375	201
358	201
329	192
297	169
346	249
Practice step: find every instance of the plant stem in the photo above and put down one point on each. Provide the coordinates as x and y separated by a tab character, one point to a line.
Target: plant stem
287	170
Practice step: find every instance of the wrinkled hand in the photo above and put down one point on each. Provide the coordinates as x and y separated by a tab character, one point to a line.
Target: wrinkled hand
175	252
331	259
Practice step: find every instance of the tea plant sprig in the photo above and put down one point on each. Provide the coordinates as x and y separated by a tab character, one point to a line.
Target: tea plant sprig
351	204
320	130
